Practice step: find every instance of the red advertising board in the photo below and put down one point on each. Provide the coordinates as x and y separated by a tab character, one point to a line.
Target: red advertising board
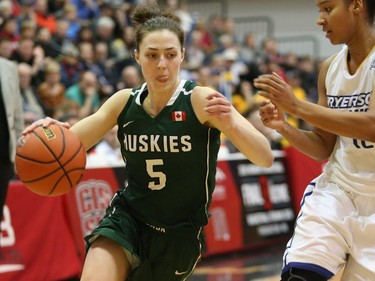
36	239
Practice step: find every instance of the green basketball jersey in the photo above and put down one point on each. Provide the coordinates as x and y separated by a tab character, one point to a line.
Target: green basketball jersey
170	160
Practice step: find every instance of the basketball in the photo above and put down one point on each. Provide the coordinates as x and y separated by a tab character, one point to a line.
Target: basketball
50	161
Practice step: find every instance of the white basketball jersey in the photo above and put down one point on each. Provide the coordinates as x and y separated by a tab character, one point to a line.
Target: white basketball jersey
352	163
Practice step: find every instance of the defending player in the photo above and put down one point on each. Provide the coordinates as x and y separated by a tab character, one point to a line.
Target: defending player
336	224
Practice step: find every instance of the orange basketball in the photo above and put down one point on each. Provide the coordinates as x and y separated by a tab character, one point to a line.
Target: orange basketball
50	161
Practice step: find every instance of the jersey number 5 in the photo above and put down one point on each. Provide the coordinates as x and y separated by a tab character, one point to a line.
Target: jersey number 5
160	177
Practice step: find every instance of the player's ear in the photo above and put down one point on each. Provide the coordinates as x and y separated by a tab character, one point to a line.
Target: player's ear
182	54
357	5
136	55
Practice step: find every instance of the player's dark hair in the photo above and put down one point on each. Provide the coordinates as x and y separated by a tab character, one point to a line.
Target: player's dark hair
370	10
147	19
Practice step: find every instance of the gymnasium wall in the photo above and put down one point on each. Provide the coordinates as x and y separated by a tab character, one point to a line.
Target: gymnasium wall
289	17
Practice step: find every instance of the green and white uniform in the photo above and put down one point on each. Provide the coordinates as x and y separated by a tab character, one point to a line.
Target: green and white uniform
170	169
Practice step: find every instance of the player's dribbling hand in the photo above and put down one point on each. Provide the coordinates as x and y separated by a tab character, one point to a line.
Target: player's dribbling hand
45	122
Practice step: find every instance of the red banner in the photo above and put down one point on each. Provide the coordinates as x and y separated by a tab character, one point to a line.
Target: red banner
36	240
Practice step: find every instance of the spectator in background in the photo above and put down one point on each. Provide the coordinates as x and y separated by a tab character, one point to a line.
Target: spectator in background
70	15
42	16
71	67
83	95
107	152
194	54
6	48
51	91
85	34
130	77
28	29
28	53
89	63
6	10
32	107
104	29
249	52
105	63
60	36
44	40
86	9
309	76
11	124
69	117
9	30
123	48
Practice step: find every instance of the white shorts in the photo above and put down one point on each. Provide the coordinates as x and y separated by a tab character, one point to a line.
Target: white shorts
334	228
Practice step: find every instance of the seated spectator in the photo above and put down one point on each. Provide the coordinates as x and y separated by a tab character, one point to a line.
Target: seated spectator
28	53
86	10
107	151
70	14
6	48
44	40
42	16
51	91
8	30
84	94
32	107
89	63
130	77
28	29
71	67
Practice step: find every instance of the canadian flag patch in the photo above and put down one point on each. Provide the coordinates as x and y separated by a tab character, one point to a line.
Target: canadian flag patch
178	116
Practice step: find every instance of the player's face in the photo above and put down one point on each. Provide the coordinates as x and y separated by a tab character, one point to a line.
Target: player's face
160	57
337	20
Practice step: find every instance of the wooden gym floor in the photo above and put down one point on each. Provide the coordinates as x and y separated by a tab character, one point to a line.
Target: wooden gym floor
253	265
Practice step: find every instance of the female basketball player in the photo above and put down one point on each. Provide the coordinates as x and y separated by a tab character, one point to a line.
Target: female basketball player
336	224
169	130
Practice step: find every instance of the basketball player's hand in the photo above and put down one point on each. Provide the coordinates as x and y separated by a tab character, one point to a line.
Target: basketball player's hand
271	116
273	87
45	122
219	106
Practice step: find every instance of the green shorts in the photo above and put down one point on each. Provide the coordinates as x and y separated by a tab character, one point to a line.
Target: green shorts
155	253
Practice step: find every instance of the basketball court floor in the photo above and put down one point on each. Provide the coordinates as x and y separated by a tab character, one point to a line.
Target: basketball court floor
256	265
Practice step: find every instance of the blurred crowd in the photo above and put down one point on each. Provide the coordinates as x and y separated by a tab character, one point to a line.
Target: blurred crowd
74	54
